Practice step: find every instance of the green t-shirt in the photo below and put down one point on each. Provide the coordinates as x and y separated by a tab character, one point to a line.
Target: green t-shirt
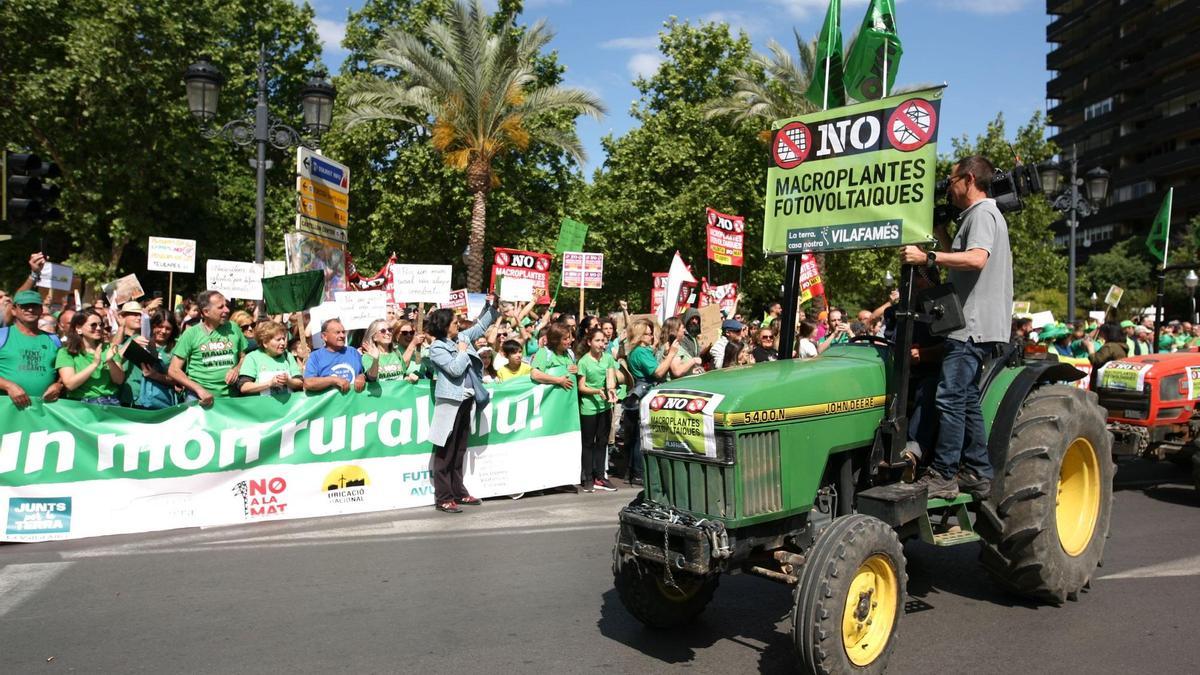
99	383
550	363
593	373
261	366
209	355
391	365
642	363
133	378
28	361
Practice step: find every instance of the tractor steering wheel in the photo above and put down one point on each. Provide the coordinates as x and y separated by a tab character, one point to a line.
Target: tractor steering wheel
873	339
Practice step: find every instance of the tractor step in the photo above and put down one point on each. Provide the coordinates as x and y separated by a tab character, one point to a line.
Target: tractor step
941	532
954	537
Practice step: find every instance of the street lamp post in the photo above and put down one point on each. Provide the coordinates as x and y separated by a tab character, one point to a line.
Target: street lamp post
1191	280
1070	202
204	81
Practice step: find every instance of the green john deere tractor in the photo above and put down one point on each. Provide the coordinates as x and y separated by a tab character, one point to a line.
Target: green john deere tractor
789	470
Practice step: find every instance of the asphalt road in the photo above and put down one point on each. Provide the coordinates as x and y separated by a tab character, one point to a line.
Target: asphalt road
526	586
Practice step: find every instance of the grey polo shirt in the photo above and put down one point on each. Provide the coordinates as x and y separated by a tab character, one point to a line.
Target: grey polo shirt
986	294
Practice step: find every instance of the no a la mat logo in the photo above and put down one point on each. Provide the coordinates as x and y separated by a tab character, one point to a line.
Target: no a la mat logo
39	515
262	497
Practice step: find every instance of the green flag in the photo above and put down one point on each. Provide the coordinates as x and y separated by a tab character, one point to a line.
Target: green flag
294	292
1160	231
825	87
876	49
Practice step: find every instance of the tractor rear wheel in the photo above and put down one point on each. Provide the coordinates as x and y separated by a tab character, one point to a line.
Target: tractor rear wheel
659	602
1046	523
850	598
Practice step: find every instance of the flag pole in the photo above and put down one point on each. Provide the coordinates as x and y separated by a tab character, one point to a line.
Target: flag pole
886	44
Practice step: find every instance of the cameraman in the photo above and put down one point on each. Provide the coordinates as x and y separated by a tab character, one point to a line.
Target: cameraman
979	264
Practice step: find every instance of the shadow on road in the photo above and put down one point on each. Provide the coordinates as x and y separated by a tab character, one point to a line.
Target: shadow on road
745	610
934	570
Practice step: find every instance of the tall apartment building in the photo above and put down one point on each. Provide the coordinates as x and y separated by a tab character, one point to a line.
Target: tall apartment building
1124	88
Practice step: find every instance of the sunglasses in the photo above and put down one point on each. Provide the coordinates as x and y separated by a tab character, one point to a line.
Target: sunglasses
766	337
384	330
91	325
406	332
30	308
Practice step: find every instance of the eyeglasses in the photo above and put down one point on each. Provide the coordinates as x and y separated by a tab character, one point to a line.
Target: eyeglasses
246	326
766	337
406	332
384	330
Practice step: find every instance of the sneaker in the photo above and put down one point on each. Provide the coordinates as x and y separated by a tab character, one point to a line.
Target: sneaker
636	480
604	485
587	488
972	484
936	485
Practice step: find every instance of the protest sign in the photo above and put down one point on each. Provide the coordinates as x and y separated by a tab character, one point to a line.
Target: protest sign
88	472
726	238
724	296
357	309
1042	319
457	302
659	290
1097	316
680	421
421	283
513	289
811	285
242	280
1020	308
1123	375
582	270
56	277
123	290
164	254
1114	296
855	177
307	252
513	264
1193	382
274	268
319	315
475	303
710	324
571	235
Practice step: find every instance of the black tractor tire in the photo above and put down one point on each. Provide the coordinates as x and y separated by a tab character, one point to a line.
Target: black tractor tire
653	601
1025	546
1196	469
836	562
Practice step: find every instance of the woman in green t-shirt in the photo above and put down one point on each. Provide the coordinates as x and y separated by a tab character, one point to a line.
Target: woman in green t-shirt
646	371
91	370
552	364
378	344
597	394
270	369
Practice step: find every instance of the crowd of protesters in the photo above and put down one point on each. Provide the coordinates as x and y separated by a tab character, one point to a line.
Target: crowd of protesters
152	357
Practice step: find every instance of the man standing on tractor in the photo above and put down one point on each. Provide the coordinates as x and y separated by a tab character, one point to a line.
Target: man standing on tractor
979	264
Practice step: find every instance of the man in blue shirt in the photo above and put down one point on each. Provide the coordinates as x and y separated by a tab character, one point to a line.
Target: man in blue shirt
334	366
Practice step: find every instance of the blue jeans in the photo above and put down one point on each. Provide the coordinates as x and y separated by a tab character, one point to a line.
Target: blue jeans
961	438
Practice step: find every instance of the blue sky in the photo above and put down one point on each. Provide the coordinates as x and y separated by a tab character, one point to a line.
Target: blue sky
991	52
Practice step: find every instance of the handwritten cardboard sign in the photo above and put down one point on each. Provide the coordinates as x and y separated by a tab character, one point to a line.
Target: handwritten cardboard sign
421	283
235	279
515	290
164	254
357	309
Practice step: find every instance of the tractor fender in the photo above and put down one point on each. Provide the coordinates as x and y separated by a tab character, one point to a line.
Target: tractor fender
1031	375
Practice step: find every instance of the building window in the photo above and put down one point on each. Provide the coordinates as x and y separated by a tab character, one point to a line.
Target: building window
1136	191
1097	109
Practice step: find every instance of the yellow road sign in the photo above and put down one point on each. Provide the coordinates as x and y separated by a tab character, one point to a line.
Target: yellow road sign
323	193
322	211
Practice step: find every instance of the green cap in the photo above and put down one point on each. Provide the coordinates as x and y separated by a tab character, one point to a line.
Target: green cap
1053	332
1126	324
27	298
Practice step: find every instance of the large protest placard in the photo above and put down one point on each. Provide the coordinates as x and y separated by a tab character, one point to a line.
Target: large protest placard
56	277
811	284
123	290
512	289
1123	375
307	252
582	270
421	283
859	176
680	421
357	309
71	470
1113	297
724	296
165	254
726	238
514	264
659	290
242	280
457	302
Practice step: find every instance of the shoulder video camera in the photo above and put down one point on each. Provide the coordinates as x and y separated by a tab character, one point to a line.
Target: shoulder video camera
1008	189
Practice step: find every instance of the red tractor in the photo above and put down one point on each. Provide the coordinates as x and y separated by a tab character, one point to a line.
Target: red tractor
1153	404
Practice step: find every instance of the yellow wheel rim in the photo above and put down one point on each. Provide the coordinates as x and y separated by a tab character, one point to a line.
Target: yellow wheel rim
870	611
1078	504
686	588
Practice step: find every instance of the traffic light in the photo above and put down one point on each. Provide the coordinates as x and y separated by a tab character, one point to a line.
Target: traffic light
23	193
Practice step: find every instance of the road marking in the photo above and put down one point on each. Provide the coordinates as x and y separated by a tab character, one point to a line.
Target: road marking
1184	567
19	582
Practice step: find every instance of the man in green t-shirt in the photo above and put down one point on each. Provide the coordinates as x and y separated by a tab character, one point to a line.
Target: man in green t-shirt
27	354
208	356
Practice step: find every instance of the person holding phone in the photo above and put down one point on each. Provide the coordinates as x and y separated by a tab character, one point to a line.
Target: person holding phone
671	350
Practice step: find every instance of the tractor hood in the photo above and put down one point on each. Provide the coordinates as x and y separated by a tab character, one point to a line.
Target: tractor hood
845	378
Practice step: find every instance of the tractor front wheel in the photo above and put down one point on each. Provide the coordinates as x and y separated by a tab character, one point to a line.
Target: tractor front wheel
850	598
657	600
1045	526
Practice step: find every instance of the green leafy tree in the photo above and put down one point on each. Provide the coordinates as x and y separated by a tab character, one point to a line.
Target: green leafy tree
473	84
102	96
771	88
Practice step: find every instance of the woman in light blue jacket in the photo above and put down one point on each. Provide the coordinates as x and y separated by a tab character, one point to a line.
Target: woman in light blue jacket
459	387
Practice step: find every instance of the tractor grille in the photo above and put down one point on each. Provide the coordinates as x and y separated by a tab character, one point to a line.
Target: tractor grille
688	485
758	459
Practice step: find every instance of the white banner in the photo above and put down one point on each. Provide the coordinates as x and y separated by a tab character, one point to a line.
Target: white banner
421	283
357	309
164	254
242	280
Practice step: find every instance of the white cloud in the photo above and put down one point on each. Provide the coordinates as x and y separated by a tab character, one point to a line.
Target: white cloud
751	23
989	7
803	9
644	64
637	43
331	33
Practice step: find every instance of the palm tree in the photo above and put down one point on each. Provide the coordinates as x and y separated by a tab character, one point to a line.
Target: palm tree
779	96
470	80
